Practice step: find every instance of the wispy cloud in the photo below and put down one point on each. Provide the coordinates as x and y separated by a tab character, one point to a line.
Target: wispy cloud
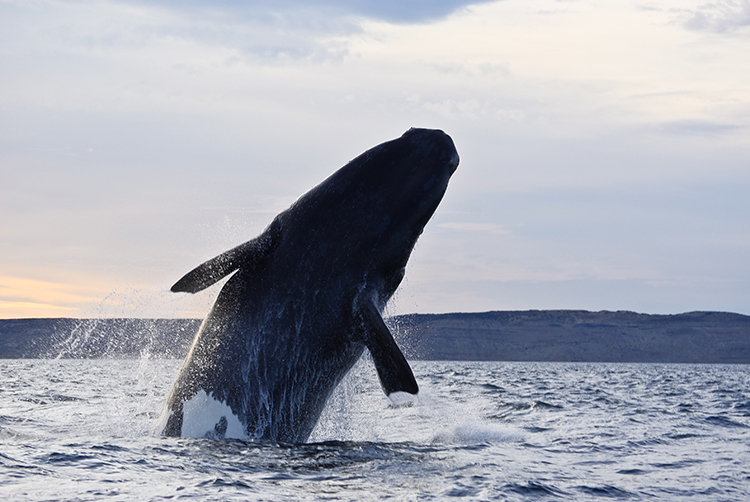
698	127
724	16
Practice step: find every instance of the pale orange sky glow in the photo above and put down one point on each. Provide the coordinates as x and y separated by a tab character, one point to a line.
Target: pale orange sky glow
22	297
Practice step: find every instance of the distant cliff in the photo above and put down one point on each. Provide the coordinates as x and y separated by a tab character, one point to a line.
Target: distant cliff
94	338
577	335
535	335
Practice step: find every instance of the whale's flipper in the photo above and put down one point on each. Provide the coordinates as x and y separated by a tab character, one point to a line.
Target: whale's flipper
246	256
393	370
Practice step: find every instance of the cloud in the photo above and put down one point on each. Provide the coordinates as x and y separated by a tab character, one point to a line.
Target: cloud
279	31
698	127
724	16
392	11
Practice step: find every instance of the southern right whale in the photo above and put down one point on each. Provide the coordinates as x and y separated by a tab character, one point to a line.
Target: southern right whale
307	297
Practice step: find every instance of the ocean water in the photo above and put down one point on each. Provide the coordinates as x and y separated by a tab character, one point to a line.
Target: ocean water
84	430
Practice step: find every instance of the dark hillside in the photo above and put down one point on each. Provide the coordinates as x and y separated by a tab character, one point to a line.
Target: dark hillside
535	335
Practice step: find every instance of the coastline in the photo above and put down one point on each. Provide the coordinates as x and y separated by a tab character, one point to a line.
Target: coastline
532	335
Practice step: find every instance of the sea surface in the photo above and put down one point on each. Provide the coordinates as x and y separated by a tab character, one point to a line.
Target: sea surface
84	430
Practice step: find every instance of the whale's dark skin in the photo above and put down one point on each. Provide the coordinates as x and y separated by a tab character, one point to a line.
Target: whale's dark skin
307	294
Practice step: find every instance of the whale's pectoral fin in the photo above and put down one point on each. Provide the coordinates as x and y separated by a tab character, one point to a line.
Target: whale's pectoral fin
393	370
246	256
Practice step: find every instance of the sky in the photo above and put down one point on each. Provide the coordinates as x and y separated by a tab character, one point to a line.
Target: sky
605	146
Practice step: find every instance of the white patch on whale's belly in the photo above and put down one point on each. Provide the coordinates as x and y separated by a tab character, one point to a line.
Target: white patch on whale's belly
202	412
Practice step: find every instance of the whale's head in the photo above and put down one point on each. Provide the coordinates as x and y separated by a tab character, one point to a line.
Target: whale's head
415	170
420	164
368	215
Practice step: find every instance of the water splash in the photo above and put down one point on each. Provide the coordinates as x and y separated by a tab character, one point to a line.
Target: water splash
477	432
123	338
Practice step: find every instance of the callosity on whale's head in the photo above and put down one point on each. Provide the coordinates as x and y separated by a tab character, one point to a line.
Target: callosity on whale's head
307	295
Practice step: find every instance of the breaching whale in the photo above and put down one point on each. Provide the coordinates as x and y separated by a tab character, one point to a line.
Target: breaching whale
306	297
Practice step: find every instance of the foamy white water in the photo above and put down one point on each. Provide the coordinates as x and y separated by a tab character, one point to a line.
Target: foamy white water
84	430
